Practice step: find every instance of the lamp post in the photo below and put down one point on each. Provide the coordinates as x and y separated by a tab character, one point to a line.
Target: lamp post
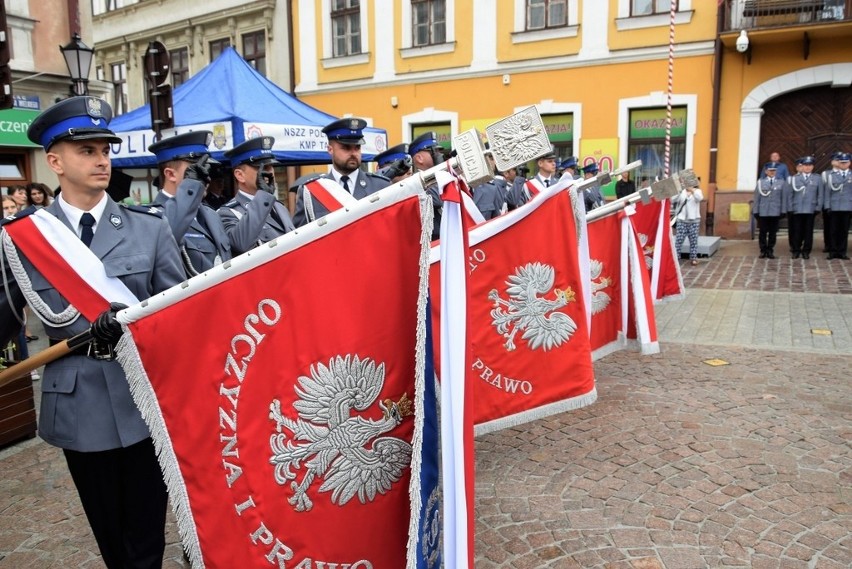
78	58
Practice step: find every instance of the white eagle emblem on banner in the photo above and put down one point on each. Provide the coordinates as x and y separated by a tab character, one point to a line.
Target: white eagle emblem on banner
600	298
647	250
526	310
331	442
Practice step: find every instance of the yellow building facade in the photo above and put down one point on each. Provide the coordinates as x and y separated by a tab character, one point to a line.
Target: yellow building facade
597	70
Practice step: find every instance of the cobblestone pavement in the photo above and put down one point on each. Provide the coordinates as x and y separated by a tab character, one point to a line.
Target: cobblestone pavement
678	465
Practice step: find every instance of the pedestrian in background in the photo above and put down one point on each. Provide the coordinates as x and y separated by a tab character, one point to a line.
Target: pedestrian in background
625	186
688	219
39	194
782	171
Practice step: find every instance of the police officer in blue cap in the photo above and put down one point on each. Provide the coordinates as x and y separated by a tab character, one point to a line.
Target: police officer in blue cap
254	216
592	196
768	207
804	200
394	163
86	406
345	138
837	203
569	168
184	164
425	153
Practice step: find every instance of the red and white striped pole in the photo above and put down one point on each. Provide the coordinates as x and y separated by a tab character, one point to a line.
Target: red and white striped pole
668	154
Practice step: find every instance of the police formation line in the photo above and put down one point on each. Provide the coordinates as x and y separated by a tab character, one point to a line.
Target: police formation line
86	407
801	197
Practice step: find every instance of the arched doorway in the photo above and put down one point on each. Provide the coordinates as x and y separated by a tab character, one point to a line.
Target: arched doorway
815	121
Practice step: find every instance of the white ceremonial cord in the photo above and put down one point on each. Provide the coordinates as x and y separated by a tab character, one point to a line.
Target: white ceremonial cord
39	306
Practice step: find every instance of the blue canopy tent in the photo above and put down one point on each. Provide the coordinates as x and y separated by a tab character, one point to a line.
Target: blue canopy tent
235	102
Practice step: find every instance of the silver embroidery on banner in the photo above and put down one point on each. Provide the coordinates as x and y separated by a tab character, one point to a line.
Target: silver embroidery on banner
334	440
528	311
600	298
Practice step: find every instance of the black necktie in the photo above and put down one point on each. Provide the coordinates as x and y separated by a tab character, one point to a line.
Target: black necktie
547	183
87	220
345	181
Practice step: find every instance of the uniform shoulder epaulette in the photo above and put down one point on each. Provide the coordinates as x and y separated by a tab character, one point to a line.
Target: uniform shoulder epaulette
379	176
20	215
232	203
151	209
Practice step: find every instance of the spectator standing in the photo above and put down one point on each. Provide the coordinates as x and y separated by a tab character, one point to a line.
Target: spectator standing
782	172
687	220
625	186
39	194
19	194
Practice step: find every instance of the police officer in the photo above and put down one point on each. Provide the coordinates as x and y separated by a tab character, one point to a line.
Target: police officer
254	216
804	199
592	196
837	202
769	205
490	197
184	173
569	168
86	406
425	154
394	163
345	138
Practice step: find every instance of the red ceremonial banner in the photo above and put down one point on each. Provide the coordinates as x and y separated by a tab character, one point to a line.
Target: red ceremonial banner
531	355
608	264
651	224
283	399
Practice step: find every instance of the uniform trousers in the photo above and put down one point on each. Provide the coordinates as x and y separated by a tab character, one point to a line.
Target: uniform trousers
125	501
801	233
768	231
839	233
690	230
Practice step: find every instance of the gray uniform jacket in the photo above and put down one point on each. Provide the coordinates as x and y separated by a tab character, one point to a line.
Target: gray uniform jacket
515	197
197	229
364	184
804	196
592	197
838	191
251	222
770	198
489	198
86	404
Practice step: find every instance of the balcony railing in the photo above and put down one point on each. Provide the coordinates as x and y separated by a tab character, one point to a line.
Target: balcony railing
749	14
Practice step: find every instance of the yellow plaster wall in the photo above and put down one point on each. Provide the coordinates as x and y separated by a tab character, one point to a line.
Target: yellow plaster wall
702	27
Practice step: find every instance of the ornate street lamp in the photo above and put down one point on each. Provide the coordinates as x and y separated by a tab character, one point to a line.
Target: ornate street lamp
78	58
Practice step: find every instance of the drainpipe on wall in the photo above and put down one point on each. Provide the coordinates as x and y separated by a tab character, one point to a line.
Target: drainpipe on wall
714	119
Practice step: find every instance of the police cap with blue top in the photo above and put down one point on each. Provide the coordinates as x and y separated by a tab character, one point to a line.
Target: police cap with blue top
590	168
254	151
425	141
397	152
806	160
570	162
347	131
188	146
76	118
844	157
770	166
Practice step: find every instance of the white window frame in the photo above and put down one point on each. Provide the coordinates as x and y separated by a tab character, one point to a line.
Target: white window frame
521	35
429	116
328	59
624	21
408	48
656	100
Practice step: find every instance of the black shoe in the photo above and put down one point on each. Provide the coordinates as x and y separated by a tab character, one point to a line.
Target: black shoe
830	256
31	338
763	254
844	257
795	255
770	255
805	256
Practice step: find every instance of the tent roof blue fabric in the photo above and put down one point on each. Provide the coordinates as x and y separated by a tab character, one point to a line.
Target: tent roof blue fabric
230	90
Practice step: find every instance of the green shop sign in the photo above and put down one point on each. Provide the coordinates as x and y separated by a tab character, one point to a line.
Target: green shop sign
651	123
444	132
560	128
13	127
